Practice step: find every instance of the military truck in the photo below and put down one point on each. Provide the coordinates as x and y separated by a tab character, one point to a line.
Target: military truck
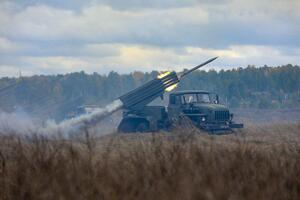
202	108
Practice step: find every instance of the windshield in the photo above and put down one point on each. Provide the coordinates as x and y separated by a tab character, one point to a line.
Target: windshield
195	98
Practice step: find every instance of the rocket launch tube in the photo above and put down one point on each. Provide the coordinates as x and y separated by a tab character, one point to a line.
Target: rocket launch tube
146	93
150	95
157	83
197	67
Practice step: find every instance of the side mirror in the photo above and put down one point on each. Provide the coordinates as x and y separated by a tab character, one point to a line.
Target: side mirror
217	99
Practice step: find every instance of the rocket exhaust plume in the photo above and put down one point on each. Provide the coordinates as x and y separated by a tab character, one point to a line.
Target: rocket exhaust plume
15	123
162	75
90	119
96	115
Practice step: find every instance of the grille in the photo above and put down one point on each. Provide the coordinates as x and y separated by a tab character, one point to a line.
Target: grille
222	115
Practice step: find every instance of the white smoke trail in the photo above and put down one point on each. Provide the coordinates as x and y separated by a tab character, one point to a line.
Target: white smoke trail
16	123
85	120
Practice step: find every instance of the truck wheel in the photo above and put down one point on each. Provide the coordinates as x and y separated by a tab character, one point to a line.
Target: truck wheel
126	126
142	127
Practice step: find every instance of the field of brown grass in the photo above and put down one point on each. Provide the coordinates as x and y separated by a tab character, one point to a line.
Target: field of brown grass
259	162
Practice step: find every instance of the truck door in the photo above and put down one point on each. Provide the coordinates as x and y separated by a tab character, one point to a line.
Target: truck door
174	107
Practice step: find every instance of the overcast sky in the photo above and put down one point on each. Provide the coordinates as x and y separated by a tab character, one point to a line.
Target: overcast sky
51	37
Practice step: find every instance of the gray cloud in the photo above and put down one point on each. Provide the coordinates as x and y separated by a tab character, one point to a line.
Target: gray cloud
79	34
116	4
207	25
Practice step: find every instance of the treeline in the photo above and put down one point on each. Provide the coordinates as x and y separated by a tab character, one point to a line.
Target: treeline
57	95
264	87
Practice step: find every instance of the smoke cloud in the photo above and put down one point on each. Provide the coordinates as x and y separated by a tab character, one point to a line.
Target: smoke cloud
16	123
84	121
21	124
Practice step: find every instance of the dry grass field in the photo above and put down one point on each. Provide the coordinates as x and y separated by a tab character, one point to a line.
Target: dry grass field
259	162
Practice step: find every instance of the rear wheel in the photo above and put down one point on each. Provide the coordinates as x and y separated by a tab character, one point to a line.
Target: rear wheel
142	127
130	125
126	126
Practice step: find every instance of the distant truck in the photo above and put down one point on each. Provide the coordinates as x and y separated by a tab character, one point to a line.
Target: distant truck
82	110
201	107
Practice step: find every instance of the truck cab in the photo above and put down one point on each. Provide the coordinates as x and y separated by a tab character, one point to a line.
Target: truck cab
202	108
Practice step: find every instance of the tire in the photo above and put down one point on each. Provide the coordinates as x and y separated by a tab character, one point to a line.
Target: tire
126	126
142	127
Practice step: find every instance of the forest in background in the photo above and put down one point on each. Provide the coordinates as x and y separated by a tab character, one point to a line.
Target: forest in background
56	96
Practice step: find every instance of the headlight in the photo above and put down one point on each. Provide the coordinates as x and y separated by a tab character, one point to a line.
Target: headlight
203	119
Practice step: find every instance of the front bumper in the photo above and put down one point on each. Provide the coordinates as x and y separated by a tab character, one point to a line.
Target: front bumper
220	126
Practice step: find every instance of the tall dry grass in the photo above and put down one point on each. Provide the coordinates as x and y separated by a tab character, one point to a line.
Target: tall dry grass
256	163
